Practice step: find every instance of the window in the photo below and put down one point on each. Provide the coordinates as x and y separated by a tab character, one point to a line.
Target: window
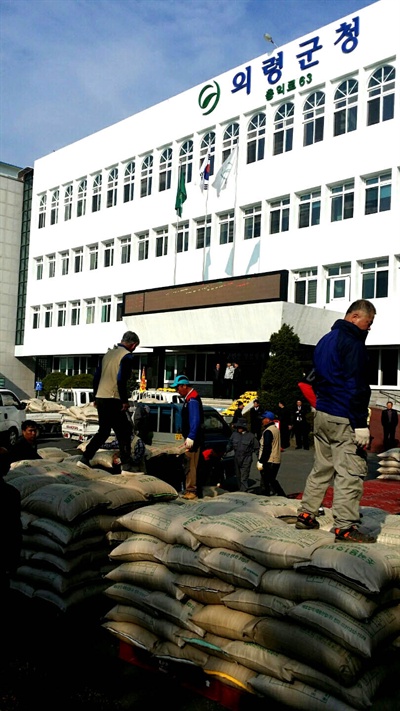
342	201
378	193
230	139
42	211
48	315
51	263
68	202
61	314
120	308
93	256
203	233
55	198
143	246
81	202
226	227
345	112
162	242
313	116
64	256
186	160
39	268
75	313
125	250
78	259
129	182
310	208
306	286
112	185
36	317
381	95
252	222
108	254
165	170
146	180
182	238
375	277
279	215
256	138
105	309
338	282
207	148
283	129
96	195
90	311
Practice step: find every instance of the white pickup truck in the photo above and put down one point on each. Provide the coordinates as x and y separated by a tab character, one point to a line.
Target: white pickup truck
73	428
48	414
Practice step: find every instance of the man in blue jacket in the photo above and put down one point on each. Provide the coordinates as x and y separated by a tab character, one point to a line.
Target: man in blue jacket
192	431
341	433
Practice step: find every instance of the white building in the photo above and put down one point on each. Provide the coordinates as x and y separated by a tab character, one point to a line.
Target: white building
307	223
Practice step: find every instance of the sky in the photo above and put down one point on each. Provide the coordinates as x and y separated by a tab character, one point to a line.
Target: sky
70	68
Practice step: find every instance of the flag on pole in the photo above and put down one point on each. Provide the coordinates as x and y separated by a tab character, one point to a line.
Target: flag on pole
222	176
180	194
205	173
143	381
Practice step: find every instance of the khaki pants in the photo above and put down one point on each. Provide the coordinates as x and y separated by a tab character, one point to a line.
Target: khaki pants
192	461
337	461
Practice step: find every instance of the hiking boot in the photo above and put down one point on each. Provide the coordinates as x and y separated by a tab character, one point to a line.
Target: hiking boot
189	495
84	462
353	535
306	521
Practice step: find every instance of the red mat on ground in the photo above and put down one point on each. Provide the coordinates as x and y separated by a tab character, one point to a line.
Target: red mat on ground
380	493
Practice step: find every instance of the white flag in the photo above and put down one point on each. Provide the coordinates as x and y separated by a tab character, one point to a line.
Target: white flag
222	176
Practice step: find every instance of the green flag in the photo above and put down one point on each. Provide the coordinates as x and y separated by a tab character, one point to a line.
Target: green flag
180	194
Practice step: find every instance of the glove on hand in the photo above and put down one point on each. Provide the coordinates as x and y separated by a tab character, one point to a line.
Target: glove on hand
189	443
361	435
260	466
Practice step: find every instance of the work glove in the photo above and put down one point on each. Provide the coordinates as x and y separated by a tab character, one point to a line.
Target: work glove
260	466
189	443
361	435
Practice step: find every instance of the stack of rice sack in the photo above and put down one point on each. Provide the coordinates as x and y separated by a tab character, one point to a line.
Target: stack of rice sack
228	585
38	404
68	515
389	464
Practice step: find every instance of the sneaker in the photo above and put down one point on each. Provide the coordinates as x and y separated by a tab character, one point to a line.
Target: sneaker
353	535
306	521
189	495
84	462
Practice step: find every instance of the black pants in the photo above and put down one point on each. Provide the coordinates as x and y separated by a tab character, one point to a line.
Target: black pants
269	481
112	417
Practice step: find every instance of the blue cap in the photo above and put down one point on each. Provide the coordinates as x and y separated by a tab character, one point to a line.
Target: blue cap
180	380
268	414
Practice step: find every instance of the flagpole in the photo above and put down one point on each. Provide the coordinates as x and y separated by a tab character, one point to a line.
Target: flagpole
205	237
234	211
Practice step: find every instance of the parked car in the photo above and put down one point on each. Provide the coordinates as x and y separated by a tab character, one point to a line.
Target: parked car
155	396
12	415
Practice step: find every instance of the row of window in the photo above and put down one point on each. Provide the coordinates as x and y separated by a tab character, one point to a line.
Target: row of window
74	313
380	107
377	198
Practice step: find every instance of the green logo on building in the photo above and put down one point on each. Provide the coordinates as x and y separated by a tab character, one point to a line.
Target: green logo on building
209	97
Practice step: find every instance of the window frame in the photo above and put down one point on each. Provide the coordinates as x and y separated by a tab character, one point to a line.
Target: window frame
314	118
255	143
252	216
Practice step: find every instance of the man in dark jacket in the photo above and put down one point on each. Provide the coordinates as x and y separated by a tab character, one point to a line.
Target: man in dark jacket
244	444
341	433
192	431
26	445
389	421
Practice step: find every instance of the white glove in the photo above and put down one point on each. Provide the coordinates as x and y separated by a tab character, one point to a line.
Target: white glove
260	466
189	443
361	435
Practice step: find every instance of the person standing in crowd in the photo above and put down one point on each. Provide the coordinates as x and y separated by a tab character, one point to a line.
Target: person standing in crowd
10	528
228	381
26	445
301	427
340	426
244	444
255	419
284	425
269	458
238	412
218	381
110	388
237	381
389	421
192	431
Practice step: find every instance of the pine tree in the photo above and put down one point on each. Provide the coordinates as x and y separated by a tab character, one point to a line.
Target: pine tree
283	370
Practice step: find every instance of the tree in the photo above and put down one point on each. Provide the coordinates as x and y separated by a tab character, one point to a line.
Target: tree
83	380
283	370
52	382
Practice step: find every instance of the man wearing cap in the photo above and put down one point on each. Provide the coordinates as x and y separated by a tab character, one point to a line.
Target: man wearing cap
244	445
269	459
192	431
110	388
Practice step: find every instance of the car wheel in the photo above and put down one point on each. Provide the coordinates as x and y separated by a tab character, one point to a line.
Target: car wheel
12	436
